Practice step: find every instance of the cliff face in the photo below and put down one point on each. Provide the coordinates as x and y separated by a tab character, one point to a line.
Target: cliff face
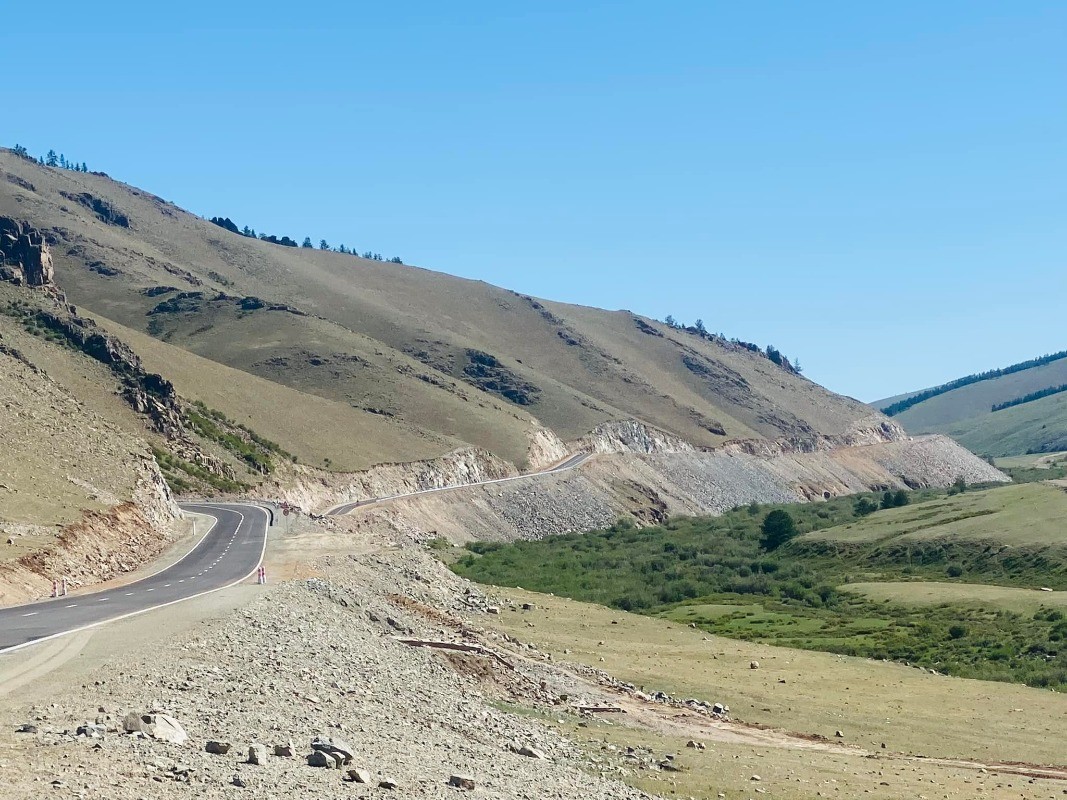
25	258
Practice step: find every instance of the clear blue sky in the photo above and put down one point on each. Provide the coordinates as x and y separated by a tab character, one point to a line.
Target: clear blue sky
878	189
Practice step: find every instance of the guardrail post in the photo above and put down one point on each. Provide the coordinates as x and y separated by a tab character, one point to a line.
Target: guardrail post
64	594
55	588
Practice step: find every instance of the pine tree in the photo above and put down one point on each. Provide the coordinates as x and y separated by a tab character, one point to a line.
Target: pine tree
777	529
323	245
51	159
62	161
307	243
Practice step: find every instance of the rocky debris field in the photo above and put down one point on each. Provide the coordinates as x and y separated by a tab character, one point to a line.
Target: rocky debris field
649	486
309	692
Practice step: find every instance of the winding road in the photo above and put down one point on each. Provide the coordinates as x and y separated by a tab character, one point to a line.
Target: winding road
229	553
570	463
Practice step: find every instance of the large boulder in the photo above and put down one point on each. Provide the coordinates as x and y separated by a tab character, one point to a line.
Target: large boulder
156	726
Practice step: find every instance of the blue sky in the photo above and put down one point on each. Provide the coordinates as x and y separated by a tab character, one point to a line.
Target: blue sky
877	189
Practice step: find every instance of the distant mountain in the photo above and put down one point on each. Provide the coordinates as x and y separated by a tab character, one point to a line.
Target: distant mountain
1012	410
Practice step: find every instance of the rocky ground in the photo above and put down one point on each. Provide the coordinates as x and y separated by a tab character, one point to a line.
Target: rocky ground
313	658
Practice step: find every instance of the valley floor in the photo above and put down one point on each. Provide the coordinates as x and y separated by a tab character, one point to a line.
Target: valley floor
321	653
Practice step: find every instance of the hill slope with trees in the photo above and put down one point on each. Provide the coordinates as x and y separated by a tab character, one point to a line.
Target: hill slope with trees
440	357
1009	411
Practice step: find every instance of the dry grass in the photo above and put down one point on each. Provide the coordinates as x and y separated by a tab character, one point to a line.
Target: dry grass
800	691
366	320
311	427
60	457
933	593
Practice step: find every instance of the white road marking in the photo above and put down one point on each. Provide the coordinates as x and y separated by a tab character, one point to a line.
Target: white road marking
102	599
149	590
32	613
72	605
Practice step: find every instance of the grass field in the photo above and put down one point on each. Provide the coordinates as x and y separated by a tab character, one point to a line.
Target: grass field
871	702
936	593
1029	514
712	573
1032	461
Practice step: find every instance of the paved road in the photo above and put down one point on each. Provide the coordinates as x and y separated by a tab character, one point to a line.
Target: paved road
229	553
570	463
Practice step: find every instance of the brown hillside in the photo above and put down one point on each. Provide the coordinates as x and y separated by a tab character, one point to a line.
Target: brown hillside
443	359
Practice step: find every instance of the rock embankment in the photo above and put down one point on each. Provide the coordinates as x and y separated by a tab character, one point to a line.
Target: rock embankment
648	486
314	489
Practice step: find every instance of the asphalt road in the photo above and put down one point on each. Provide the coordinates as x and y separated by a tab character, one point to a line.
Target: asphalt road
570	463
230	552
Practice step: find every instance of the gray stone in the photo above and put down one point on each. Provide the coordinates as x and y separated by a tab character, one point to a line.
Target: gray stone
157	726
257	754
334	745
91	731
461	782
284	750
387	783
530	752
218	748
318	758
359	776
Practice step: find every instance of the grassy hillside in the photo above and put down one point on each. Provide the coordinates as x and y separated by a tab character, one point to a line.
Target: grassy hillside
965	412
1037	427
717	574
440	356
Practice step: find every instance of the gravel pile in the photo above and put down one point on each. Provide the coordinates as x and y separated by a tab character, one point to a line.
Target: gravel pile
934	461
311	661
534	509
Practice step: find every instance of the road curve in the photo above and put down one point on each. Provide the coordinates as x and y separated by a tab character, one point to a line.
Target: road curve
569	463
229	553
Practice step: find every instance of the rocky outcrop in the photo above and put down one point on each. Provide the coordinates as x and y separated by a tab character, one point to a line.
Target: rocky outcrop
104	210
148	393
631	436
25	258
544	448
313	489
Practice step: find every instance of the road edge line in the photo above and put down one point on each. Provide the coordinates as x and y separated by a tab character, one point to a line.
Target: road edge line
262	553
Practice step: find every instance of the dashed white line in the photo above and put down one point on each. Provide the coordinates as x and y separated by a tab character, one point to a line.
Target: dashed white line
32	613
101	599
72	605
150	590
